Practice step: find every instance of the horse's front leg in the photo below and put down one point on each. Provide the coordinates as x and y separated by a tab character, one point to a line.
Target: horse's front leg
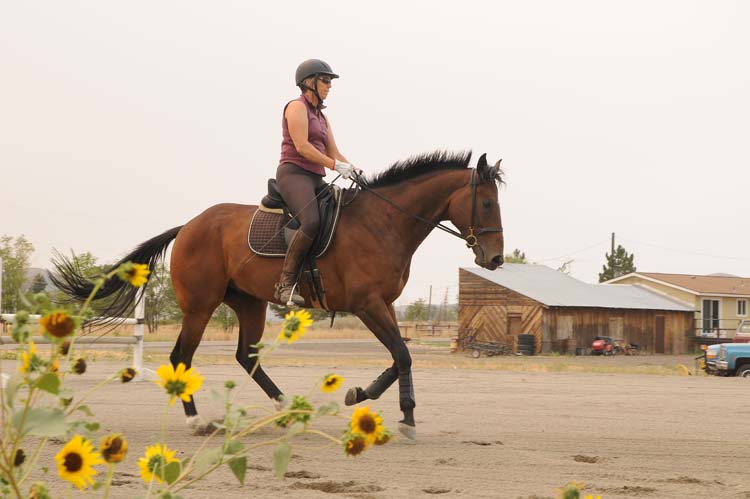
379	319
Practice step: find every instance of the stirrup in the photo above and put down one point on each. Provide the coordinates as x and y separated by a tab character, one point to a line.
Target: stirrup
281	289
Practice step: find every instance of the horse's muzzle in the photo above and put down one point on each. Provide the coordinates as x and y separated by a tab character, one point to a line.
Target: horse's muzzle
491	264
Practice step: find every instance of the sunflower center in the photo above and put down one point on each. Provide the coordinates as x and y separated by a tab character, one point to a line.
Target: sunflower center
155	462
73	462
367	424
113	448
175	387
330	381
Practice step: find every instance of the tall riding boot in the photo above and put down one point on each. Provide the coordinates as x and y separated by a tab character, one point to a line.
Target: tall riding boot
298	248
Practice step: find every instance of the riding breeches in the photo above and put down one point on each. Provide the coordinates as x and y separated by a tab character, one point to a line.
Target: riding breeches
297	187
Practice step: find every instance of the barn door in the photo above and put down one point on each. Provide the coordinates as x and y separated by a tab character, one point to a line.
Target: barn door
659	334
514	324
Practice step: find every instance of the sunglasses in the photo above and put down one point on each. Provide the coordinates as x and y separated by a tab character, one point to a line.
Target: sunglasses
325	79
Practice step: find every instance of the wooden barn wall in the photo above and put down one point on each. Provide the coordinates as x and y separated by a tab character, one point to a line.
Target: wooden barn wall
633	326
487	308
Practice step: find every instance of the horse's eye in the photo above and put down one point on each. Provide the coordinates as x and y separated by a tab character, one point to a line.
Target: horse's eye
487	203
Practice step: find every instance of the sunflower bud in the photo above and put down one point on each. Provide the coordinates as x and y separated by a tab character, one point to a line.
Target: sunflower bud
64	348
20	458
58	324
113	448
229	385
355	444
39	491
79	367
127	374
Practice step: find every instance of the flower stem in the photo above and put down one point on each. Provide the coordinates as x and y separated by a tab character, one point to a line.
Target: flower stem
110	474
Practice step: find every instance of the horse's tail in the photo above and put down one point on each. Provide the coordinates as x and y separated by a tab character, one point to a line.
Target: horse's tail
120	294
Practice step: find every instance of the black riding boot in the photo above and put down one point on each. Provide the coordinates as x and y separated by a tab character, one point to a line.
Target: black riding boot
298	248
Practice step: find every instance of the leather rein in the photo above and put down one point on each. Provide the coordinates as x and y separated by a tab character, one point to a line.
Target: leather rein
471	239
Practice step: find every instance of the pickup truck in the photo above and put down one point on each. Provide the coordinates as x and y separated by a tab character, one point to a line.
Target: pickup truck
742	335
734	360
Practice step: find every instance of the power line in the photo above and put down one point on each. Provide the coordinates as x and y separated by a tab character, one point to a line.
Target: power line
686	252
574	252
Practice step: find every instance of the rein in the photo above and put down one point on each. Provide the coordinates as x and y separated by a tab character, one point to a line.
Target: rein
474	231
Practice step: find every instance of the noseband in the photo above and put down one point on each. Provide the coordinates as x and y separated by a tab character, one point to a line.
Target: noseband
474	231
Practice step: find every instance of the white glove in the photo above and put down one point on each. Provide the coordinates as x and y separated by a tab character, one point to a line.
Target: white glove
345	169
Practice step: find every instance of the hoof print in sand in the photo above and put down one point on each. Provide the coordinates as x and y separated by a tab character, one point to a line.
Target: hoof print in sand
435	490
483	443
580	458
301	474
331	487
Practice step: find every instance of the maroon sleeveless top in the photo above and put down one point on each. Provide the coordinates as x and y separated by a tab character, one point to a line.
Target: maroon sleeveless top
317	135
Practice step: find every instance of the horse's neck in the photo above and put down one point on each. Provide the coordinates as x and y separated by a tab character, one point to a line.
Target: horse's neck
426	197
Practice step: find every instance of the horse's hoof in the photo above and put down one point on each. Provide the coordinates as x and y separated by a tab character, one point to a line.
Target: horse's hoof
351	396
409	431
195	421
280	403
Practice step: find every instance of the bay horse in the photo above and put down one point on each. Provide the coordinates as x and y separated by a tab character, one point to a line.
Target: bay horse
365	268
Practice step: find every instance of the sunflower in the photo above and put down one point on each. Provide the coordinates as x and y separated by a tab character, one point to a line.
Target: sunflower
383	437
113	448
134	273
75	461
127	374
368	424
354	444
294	326
180	382
79	367
58	324
331	383
29	360
156	457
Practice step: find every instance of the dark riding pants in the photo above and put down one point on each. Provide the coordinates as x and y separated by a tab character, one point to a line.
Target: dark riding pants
297	187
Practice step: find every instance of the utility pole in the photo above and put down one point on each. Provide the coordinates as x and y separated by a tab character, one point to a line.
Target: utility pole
429	304
613	244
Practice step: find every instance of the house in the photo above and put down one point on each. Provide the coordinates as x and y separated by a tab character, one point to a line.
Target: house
720	300
565	314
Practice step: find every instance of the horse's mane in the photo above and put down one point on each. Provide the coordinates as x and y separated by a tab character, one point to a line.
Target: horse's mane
419	165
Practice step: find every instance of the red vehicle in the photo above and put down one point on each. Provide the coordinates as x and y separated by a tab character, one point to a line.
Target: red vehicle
604	345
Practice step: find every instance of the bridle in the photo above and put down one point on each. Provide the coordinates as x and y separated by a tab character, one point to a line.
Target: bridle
471	239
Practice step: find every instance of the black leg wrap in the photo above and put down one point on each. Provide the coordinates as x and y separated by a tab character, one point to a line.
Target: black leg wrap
381	384
189	407
406	396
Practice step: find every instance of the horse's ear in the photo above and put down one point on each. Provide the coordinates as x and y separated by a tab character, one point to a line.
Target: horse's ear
497	165
482	162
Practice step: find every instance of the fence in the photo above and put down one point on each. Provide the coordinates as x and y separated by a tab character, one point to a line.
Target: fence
419	329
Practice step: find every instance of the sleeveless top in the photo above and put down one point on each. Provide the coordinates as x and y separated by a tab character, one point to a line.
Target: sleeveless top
317	135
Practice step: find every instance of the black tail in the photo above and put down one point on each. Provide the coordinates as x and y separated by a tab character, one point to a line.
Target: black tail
121	295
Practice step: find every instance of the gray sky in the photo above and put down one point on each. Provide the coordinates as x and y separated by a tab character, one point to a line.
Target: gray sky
121	120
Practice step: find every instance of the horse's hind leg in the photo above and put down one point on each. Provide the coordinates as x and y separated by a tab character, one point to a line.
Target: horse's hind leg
251	314
193	325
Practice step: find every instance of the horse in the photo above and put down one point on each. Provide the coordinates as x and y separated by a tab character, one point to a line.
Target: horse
366	265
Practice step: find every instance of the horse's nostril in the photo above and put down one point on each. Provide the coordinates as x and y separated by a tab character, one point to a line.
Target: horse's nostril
498	260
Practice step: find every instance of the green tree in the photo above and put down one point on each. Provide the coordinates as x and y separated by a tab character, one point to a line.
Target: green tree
39	284
161	303
224	317
15	254
416	311
516	257
618	264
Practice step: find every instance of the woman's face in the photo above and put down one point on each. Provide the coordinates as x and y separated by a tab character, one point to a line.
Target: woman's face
324	86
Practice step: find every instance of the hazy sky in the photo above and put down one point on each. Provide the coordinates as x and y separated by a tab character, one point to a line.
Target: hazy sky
121	120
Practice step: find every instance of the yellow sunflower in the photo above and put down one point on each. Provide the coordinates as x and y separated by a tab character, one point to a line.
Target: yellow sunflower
294	326
113	448
383	437
75	461
135	273
368	424
157	455
331	383
58	324
180	382
127	374
29	359
355	444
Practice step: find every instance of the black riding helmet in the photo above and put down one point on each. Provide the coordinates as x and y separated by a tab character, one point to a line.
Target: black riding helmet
313	67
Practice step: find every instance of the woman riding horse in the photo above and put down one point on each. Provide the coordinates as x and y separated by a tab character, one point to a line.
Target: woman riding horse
307	148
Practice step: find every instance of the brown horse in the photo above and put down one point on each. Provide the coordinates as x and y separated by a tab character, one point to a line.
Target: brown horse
365	268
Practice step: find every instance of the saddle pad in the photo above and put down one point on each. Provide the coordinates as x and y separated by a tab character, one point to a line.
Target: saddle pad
266	234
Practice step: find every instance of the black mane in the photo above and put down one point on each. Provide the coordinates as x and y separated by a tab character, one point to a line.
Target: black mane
419	165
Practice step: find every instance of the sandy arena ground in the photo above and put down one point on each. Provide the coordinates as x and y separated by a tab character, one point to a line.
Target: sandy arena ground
482	433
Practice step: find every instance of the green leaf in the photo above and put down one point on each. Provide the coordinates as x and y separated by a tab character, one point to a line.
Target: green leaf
85	409
281	457
11	388
328	409
92	427
171	471
42	422
206	458
48	382
233	447
238	465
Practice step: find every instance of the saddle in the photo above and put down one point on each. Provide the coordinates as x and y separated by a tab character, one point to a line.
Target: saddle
273	226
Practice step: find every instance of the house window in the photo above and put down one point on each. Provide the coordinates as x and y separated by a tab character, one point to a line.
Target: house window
710	317
741	308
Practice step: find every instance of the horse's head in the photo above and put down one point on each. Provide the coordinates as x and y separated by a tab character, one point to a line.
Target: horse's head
475	210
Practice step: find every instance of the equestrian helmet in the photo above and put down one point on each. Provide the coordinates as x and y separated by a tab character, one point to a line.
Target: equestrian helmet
312	67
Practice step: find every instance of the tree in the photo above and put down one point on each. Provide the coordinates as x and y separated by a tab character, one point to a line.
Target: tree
618	264
161	303
416	311
516	257
225	317
15	254
39	284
